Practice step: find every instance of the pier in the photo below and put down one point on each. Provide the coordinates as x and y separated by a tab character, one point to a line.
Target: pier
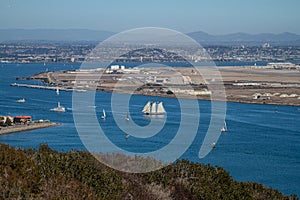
27	127
41	87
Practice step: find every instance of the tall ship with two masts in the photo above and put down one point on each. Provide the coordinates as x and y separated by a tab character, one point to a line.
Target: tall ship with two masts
154	108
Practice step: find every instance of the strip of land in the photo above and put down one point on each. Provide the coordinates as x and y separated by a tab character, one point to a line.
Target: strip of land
26	127
249	84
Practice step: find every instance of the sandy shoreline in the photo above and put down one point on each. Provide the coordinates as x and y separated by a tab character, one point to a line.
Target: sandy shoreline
31	126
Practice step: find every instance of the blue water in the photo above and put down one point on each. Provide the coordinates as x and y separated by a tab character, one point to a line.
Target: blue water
262	143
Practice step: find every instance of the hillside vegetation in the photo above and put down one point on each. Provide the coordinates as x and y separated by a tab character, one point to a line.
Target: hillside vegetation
48	174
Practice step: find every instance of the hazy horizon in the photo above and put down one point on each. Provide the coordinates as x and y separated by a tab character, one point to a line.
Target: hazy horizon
214	17
113	32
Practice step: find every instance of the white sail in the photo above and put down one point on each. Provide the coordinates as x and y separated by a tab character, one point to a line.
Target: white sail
213	145
160	108
104	114
147	107
153	108
57	91
224	128
127	116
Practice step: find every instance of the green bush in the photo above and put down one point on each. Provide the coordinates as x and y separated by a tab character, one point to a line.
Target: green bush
48	174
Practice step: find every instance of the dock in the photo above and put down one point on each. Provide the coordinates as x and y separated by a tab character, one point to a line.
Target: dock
40	87
27	127
47	87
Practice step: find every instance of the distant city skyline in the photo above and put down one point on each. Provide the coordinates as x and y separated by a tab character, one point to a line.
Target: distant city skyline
214	17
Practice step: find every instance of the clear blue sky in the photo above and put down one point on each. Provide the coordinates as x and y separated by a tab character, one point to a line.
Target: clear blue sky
212	16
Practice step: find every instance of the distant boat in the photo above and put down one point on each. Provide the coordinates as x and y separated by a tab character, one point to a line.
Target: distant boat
59	108
213	145
80	90
127	136
103	114
154	108
21	100
127	117
57	91
224	128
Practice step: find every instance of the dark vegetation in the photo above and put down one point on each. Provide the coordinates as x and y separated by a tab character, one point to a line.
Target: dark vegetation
48	174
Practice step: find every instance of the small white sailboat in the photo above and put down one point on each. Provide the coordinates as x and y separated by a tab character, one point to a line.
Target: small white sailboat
59	108
127	117
103	114
213	145
154	108
57	91
21	100
127	136
224	128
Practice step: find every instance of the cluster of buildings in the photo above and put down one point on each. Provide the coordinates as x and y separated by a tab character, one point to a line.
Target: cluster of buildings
269	95
263	53
39	53
9	120
77	52
283	65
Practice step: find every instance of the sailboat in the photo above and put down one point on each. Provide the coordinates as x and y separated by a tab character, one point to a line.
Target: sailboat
127	117
59	108
213	145
154	108
21	100
127	136
57	91
224	128
103	115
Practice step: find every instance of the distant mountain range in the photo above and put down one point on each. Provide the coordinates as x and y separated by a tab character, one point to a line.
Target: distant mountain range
246	39
9	35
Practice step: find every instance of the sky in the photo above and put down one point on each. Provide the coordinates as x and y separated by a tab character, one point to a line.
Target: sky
211	16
